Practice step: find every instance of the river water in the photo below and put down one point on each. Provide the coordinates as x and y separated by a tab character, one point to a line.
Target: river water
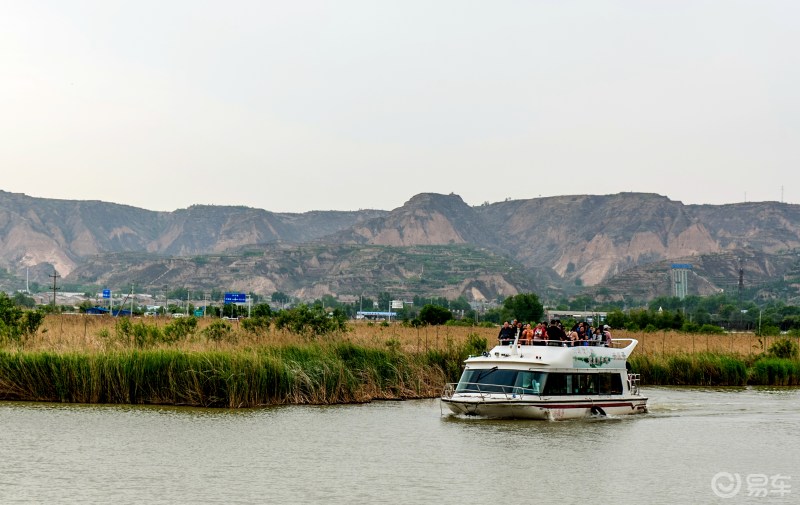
405	452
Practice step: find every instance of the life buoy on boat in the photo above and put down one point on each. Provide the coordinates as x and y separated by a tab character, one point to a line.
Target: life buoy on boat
598	411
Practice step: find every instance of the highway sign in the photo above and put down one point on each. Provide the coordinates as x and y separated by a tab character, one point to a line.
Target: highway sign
106	293
235	298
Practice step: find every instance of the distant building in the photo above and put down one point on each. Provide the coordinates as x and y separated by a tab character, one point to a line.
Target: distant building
680	279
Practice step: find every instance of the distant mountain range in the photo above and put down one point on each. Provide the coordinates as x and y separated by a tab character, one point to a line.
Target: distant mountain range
613	246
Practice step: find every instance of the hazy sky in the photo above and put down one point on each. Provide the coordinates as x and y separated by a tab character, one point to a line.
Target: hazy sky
296	106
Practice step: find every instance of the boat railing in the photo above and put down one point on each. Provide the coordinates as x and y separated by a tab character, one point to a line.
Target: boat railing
552	343
633	383
485	390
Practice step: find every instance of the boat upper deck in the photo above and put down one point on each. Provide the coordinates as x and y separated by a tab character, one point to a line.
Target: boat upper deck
556	355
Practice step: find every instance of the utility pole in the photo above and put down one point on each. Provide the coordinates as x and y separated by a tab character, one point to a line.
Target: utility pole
55	276
741	288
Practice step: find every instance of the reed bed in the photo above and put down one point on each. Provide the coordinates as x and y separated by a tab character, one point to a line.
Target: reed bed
304	374
94	359
735	359
88	359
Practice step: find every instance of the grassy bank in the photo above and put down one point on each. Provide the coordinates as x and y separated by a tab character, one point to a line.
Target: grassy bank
715	369
91	359
312	373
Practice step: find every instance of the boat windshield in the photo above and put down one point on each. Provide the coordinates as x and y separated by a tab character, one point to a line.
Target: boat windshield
494	380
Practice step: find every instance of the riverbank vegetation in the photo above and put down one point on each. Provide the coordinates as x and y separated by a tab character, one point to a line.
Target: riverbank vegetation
247	363
257	361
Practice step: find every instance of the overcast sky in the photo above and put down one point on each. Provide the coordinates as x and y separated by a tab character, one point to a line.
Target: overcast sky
296	106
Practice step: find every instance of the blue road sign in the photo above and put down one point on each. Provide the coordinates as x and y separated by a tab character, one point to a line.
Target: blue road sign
106	293
235	298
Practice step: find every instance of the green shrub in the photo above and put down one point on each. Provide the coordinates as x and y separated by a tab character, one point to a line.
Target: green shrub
311	322
476	344
783	348
434	315
139	333
218	331
460	322
258	324
711	329
179	329
393	345
16	323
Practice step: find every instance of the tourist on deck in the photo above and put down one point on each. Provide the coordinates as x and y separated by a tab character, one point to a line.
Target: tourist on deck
607	335
540	334
527	335
597	336
583	333
506	335
555	334
572	336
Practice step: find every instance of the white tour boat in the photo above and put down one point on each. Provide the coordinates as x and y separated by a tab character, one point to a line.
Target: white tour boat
548	382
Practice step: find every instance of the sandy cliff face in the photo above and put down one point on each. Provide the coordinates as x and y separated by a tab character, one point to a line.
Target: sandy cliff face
426	219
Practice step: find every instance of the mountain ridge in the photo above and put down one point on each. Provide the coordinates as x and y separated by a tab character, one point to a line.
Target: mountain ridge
549	243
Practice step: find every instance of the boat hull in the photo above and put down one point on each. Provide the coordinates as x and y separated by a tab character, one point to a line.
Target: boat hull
551	409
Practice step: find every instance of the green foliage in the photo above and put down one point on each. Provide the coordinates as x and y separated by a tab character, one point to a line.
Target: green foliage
523	307
31	321
784	348
476	344
23	300
774	371
218	331
494	316
710	329
179	329
259	324
311	322
312	373
137	333
460	322
770	330
85	305
394	345
16	323
262	310
434	315
701	369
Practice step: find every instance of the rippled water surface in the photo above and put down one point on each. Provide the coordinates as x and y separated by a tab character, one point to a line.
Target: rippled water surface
401	452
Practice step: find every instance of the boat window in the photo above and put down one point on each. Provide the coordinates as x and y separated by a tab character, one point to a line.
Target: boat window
610	384
528	383
493	380
556	384
583	384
